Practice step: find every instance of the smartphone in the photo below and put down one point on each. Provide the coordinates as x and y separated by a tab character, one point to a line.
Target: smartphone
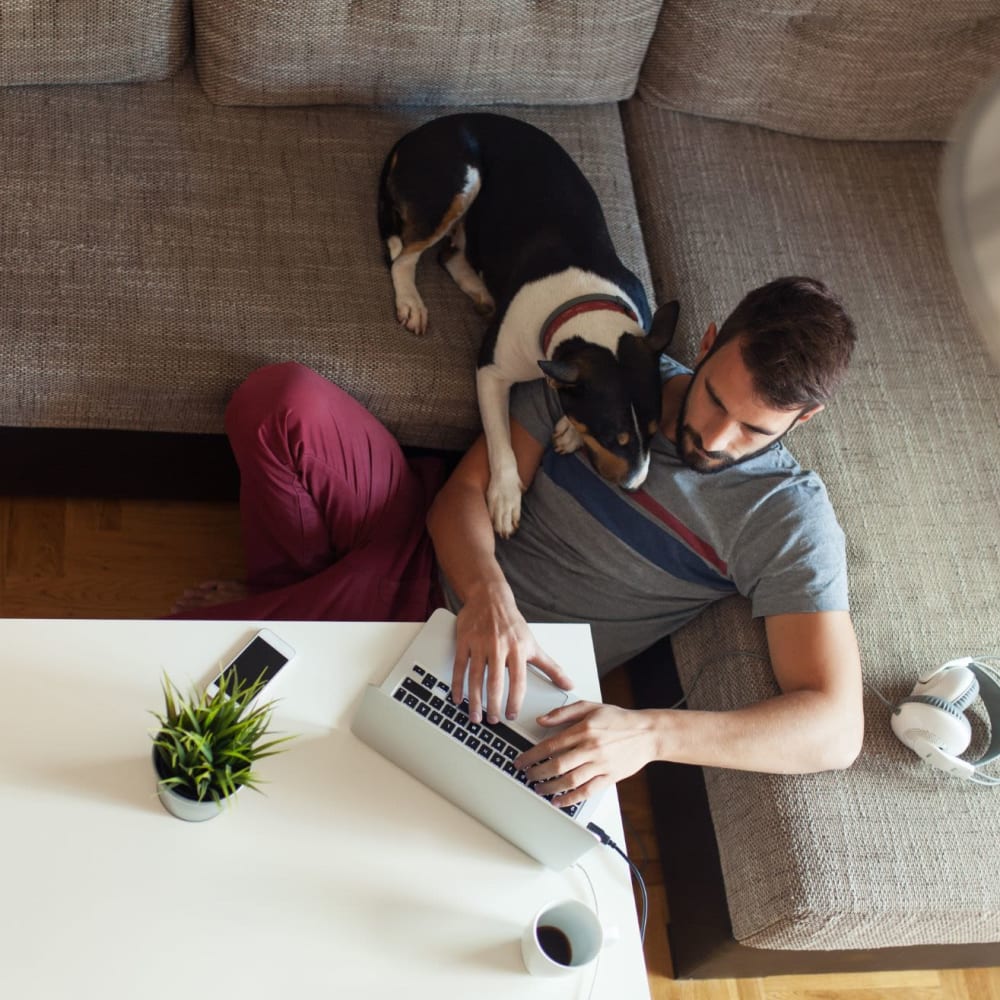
264	655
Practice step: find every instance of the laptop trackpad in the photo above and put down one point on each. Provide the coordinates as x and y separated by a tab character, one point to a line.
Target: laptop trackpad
541	696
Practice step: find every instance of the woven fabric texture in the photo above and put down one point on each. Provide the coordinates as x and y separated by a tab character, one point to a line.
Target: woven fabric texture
845	69
889	852
92	41
425	52
157	248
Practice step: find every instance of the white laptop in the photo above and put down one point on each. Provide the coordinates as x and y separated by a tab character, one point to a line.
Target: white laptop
410	718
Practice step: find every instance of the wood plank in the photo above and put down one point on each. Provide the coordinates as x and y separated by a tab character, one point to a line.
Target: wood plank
35	538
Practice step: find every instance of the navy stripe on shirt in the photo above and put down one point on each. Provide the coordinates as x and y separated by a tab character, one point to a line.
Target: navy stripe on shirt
610	507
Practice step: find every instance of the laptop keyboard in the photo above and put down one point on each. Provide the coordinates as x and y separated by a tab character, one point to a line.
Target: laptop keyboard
496	743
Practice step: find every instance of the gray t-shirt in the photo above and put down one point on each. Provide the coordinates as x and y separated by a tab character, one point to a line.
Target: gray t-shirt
637	566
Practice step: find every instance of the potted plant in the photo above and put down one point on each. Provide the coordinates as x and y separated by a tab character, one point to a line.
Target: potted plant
207	745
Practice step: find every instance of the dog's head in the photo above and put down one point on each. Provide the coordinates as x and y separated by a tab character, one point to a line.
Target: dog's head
613	399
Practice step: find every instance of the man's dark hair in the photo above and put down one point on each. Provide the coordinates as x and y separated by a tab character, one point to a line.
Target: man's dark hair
795	339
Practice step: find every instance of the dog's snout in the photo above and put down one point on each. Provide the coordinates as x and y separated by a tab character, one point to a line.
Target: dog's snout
617	469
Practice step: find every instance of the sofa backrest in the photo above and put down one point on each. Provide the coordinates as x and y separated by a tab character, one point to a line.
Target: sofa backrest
421	52
92	41
844	69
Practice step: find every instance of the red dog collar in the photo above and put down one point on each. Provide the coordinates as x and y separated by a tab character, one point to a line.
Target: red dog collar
585	303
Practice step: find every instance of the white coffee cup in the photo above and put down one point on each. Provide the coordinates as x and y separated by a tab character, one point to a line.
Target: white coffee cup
563	938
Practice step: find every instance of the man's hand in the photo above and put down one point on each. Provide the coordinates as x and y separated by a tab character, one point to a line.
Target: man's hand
602	745
492	636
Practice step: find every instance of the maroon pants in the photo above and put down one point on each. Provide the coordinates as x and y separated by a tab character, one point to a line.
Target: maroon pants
332	512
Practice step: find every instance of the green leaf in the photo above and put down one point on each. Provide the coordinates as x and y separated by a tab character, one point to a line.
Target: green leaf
208	744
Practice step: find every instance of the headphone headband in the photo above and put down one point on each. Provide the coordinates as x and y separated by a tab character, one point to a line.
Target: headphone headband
989	691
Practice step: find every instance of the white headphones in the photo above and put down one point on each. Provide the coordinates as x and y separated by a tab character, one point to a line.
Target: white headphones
932	720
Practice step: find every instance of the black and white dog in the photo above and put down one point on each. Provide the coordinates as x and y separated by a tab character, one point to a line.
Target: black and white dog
527	242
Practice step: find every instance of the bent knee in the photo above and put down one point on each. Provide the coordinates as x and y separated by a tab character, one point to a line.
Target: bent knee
272	391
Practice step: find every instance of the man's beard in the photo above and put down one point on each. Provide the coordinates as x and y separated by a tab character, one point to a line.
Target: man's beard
708	462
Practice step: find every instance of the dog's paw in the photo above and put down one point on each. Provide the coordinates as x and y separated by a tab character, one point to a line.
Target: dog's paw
566	438
412	313
503	500
484	304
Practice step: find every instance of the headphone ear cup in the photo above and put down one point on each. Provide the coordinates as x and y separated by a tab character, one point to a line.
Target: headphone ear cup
956	685
926	717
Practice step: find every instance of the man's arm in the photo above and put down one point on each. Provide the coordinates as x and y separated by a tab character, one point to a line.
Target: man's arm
492	635
815	724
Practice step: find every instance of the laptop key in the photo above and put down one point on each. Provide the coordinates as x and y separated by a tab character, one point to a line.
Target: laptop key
417	669
423	709
436	717
472	743
448	726
510	753
449	710
516	739
436	703
498	759
509	768
429	681
484	750
460	734
410	701
415	689
399	694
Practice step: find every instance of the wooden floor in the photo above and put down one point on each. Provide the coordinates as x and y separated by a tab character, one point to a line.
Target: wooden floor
130	559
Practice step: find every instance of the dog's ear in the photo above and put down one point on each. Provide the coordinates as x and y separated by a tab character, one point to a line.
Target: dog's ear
561	374
661	332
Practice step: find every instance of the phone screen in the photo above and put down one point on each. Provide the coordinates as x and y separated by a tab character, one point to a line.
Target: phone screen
259	658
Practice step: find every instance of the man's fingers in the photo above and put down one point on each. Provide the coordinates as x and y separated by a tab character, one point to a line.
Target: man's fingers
568	714
555	771
494	686
458	670
548	749
477	670
581	793
518	674
551	669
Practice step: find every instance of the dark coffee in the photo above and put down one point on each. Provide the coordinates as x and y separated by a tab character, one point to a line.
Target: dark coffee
555	944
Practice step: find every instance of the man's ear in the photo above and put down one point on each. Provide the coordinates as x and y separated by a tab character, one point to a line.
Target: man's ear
706	343
808	414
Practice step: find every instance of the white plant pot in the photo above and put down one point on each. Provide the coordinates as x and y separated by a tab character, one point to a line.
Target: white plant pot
181	806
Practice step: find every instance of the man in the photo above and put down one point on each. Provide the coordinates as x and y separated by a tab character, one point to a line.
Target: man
332	520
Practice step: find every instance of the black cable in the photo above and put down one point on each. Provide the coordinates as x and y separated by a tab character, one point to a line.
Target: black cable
636	874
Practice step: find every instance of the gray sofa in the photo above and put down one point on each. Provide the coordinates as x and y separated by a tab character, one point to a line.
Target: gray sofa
189	192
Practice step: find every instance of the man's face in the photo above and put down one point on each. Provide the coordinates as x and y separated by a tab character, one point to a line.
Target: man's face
722	421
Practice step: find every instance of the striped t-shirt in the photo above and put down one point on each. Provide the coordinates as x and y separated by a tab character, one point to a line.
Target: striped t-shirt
637	566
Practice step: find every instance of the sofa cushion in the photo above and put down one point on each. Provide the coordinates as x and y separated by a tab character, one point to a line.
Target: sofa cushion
157	248
851	69
426	52
92	41
889	852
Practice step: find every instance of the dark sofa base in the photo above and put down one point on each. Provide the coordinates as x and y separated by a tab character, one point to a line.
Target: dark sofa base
126	464
699	930
116	463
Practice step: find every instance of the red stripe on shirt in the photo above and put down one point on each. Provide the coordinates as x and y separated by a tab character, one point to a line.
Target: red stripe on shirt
690	539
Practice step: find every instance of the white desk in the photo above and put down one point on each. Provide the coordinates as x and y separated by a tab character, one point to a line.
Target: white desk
347	879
